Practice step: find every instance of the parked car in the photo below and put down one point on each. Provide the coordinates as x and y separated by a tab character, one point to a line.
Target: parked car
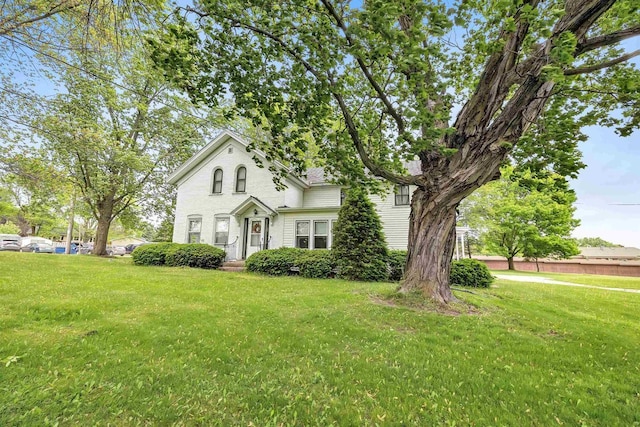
130	247
85	248
116	250
38	247
10	242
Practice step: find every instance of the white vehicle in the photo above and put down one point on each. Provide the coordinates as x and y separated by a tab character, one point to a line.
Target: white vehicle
10	242
34	239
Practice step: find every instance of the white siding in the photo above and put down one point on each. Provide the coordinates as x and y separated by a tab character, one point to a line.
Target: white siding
289	224
293	196
395	220
195	194
322	197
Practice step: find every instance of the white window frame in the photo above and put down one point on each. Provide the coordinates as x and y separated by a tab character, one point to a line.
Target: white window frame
215	230
244	180
213	185
308	235
189	230
326	235
400	195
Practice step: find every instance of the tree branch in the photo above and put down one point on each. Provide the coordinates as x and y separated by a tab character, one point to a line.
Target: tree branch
53	10
365	70
602	65
364	156
606	40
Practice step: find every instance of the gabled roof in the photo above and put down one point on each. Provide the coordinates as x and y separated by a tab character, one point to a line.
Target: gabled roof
313	176
211	147
252	201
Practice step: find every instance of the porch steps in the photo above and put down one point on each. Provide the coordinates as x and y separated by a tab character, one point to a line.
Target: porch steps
233	266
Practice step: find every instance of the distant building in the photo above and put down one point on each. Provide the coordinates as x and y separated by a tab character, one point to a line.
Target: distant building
617	253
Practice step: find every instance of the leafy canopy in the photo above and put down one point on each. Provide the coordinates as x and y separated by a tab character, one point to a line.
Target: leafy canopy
376	83
516	218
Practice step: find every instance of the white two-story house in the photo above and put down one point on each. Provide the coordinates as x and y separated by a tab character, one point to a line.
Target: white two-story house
224	199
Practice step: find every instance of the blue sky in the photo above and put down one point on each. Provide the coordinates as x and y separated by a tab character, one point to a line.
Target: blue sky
611	178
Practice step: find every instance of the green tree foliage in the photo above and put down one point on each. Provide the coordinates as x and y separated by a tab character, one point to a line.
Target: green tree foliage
118	130
595	242
534	219
358	245
9	228
33	194
372	84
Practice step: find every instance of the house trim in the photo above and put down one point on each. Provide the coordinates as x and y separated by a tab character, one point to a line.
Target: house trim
198	160
251	200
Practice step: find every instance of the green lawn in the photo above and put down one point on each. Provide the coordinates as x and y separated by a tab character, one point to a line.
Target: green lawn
583	279
88	341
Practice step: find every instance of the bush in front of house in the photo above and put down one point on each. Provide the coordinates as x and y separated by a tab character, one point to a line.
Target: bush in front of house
470	273
316	264
152	253
274	262
396	263
197	255
359	246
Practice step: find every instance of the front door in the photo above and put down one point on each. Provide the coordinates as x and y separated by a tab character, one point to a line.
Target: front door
255	236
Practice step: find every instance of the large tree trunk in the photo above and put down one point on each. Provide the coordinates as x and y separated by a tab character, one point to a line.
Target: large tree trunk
105	216
432	233
510	262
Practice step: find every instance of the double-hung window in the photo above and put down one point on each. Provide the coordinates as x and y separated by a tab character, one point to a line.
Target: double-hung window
320	234
241	180
302	234
195	226
222	231
402	195
217	181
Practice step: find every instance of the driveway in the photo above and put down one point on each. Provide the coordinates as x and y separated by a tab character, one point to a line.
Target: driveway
539	279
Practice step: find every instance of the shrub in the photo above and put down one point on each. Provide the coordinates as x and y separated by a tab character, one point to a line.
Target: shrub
275	262
396	263
153	253
317	264
359	247
198	255
471	273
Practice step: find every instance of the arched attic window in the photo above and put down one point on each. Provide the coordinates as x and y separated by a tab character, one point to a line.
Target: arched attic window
217	181
241	180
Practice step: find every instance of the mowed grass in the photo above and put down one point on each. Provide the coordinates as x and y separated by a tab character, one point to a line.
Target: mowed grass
89	341
583	279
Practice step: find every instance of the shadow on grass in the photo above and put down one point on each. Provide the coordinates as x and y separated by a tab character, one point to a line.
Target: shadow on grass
416	301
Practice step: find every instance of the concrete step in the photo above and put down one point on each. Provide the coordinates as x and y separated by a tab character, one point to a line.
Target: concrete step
233	264
237	269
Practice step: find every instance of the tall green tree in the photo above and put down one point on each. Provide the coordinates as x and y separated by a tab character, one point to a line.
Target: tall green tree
524	215
376	83
118	129
358	242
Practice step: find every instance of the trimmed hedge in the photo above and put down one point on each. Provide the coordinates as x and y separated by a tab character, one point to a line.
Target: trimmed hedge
197	255
274	262
395	265
317	264
471	273
152	253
